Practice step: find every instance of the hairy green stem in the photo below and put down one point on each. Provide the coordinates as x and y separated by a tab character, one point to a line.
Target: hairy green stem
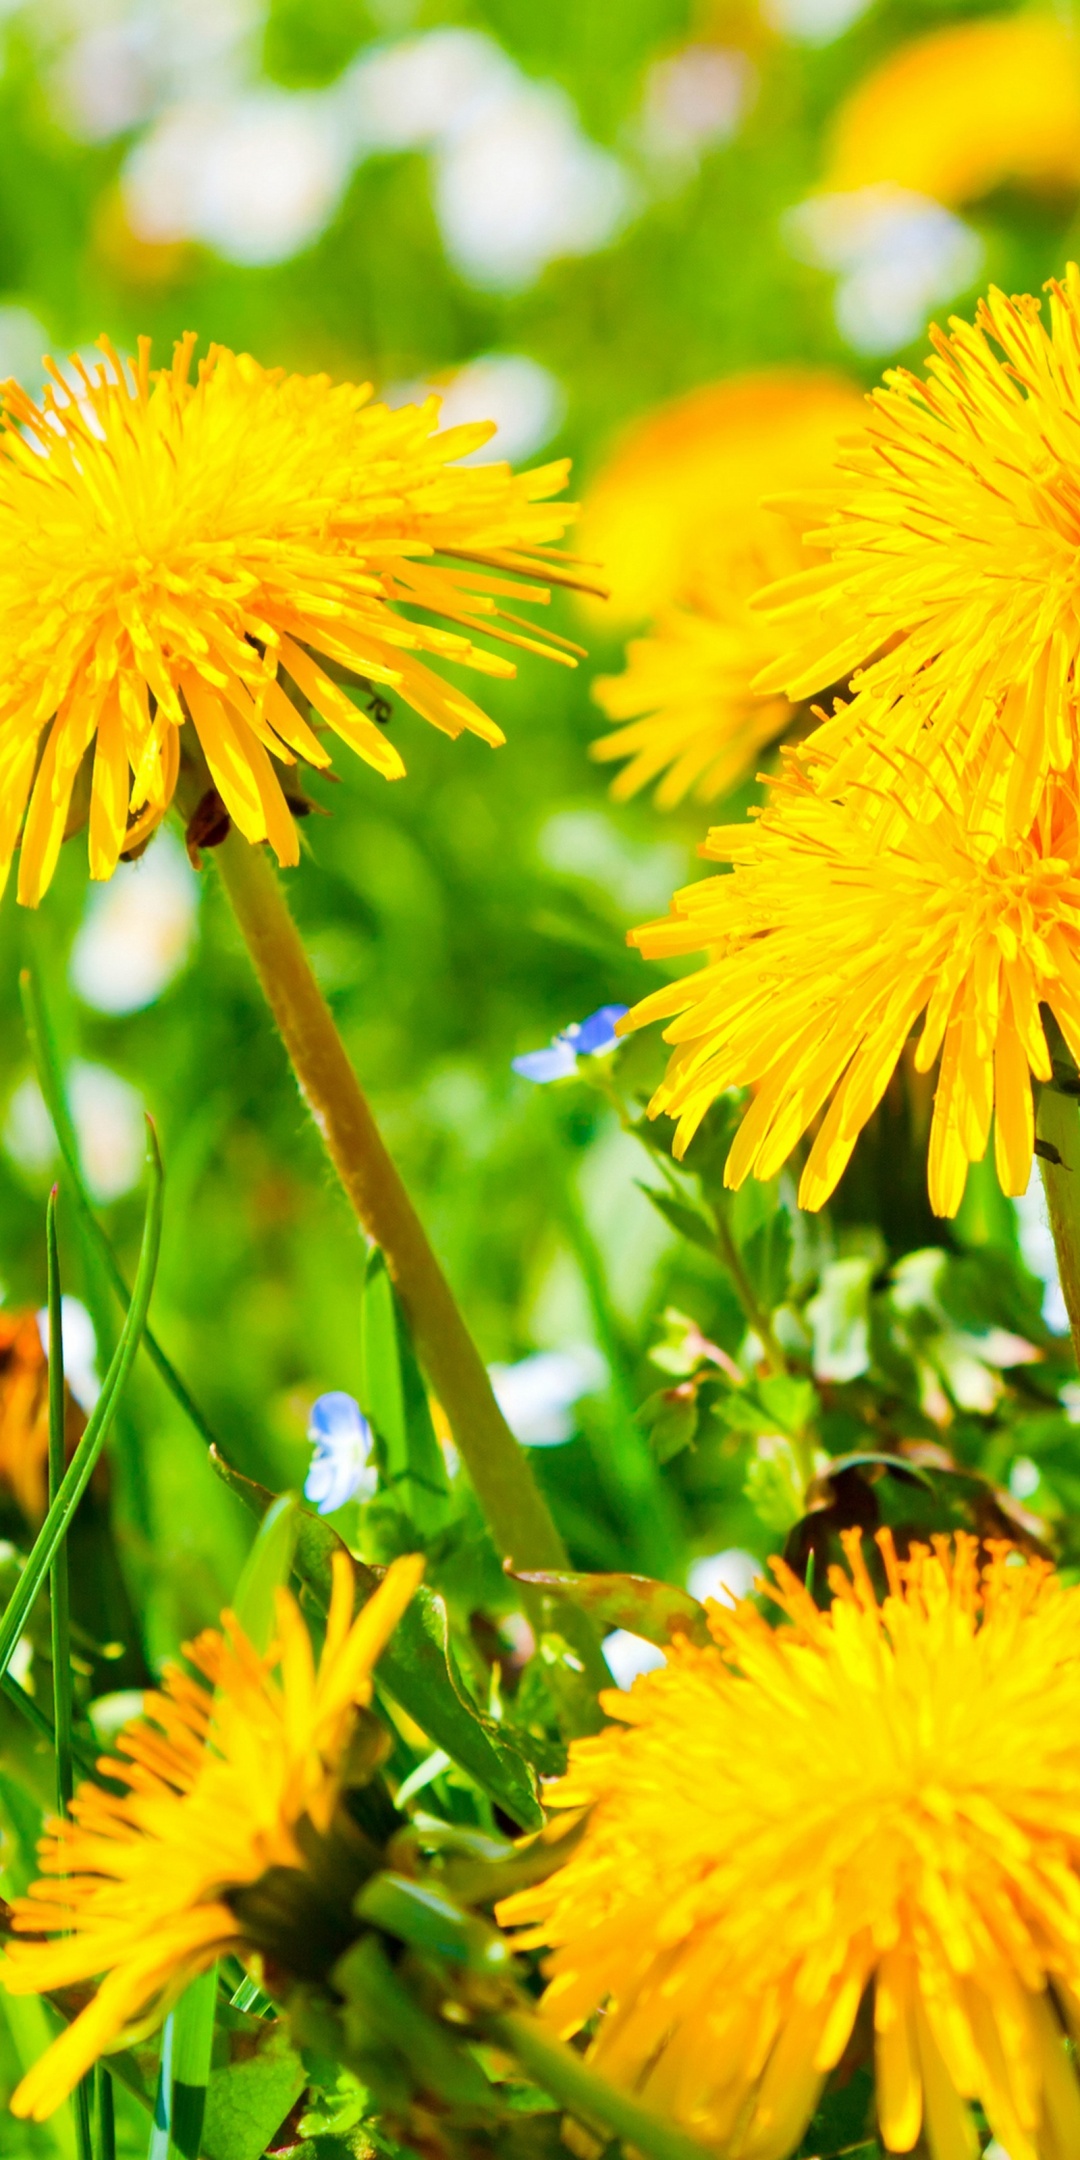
563	2073
1058	1127
515	1509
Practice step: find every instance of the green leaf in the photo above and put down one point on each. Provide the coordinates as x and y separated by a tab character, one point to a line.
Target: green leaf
766	1256
416	1666
394	1399
671	1419
690	1222
267	1567
656	1610
249	2097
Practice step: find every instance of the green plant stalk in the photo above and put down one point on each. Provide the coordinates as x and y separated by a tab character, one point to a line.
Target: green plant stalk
515	1509
756	1314
1058	1124
50	1080
77	1476
562	2073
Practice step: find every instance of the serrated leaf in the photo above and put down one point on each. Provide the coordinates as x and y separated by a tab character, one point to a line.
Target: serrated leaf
249	2097
416	1667
655	1610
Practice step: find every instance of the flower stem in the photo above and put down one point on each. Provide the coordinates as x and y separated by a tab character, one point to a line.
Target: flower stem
1058	1125
515	1508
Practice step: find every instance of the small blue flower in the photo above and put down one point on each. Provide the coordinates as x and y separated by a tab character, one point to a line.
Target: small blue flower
593	1037
342	1467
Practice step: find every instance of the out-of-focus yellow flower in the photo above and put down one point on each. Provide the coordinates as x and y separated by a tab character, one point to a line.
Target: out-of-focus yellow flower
138	1888
884	1798
24	1413
836	934
951	589
686	696
685	482
966	109
215	554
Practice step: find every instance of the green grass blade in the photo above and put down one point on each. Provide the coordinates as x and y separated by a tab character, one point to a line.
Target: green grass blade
77	1476
60	1602
59	1588
50	1080
193	2039
104	2114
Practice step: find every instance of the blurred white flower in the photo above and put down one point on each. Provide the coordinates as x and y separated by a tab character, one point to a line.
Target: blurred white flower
255	176
138	930
108	1117
537	1395
813	22
522	185
1023	1478
732	1571
694	99
411	95
898	254
125	59
525	400
630	1655
1037	1250
79	1344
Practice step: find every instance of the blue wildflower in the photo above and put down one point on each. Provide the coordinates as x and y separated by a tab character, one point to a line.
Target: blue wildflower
342	1467
593	1037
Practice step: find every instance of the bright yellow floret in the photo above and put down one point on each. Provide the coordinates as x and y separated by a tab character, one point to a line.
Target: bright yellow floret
872	1810
845	924
136	1889
953	539
692	716
219	553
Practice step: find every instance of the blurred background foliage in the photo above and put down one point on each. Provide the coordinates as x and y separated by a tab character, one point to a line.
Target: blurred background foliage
562	216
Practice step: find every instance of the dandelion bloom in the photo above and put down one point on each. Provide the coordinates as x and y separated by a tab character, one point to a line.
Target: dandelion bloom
830	943
953	540
965	110
879	1800
692	719
687	479
220	552
139	1888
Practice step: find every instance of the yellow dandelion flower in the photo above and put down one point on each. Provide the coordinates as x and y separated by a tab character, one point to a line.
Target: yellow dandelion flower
878	1802
964	110
828	946
686	480
691	714
223	1783
953	544
219	552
